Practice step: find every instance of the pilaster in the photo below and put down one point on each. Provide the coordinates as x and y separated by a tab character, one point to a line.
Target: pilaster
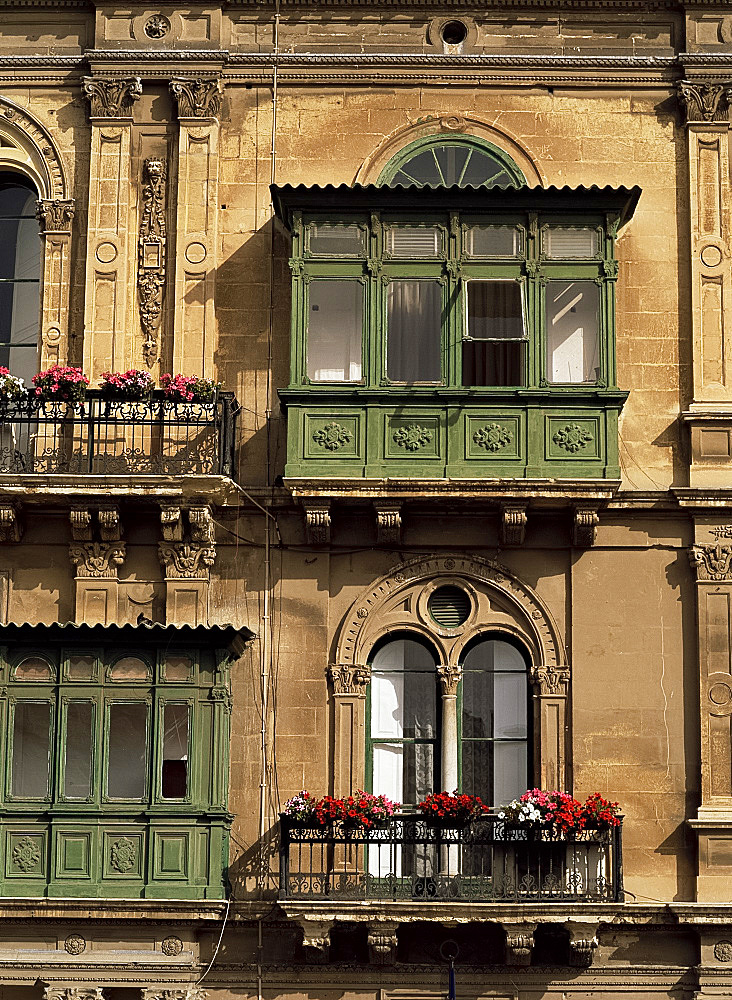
187	558
551	684
349	685
55	217
709	417
711	560
194	337
108	309
97	563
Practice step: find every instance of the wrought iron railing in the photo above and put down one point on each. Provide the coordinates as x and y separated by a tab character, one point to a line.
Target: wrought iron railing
152	436
487	860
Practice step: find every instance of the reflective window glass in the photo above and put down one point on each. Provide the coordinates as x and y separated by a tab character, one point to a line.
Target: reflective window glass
20	274
334	331
31	749
175	751
79	742
572	329
127	750
414	310
493	351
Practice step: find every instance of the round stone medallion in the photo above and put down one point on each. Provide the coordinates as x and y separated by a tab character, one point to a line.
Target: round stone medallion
75	944
172	945
157	26
106	253
723	951
711	256
195	253
720	694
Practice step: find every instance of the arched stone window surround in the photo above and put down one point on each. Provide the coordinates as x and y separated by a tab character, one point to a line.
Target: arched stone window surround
503	605
449	126
26	148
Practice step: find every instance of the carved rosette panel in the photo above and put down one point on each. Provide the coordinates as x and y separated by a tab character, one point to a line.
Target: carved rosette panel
349	680
112	98
151	256
197	98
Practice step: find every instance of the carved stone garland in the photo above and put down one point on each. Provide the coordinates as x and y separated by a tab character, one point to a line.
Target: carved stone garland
151	256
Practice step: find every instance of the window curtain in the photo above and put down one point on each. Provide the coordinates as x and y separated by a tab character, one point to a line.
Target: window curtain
414	331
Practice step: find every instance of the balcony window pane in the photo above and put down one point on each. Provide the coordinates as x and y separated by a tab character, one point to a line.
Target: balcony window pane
414	331
565	242
495	241
334	331
78	763
572	328
330	239
175	751
413	241
33	668
130	668
493	352
127	750
81	668
20	271
31	749
509	771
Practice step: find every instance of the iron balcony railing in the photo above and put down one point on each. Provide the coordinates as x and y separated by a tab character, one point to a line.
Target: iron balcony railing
486	861
104	436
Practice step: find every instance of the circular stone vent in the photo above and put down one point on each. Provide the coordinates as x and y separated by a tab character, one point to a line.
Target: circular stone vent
449	606
454	32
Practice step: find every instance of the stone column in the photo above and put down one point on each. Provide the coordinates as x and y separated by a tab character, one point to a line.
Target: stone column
709	417
711	558
449	680
196	257
55	217
551	686
187	559
349	685
109	251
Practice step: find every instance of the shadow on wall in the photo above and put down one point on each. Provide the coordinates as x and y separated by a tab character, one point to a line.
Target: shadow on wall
255	871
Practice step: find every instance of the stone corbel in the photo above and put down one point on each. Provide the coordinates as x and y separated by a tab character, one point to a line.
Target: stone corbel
388	523
97	560
11	523
513	524
201	524
110	527
171	523
552	681
73	993
81	524
519	944
317	523
711	563
584	527
187	563
187	560
350	680
112	98
316	941
197	99
582	944
382	943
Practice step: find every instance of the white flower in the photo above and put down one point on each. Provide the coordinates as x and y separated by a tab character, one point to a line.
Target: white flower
501	815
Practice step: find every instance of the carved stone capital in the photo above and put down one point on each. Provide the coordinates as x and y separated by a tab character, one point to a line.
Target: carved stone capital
110	527
73	993
112	98
316	941
190	994
552	681
197	98
586	520
97	560
388	523
382	943
712	562
349	680
704	102
519	946
80	519
513	523
317	523
187	560
55	215
172	524
11	523
201	524
449	676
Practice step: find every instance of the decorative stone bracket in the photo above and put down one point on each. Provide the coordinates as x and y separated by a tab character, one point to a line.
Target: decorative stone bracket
11	523
349	680
73	993
112	98
388	522
316	940
199	99
584	527
317	522
704	102
520	944
187	553
97	560
382	942
513	524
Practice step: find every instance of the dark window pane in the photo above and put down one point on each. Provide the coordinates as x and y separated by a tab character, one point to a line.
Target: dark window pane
572	318
494	351
175	751
20	272
334	331
414	337
449	163
78	763
31	749
495	241
127	750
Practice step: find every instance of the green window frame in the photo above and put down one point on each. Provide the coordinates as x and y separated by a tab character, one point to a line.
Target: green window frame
429	158
547	260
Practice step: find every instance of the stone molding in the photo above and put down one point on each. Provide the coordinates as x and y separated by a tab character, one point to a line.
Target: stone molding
152	255
581	951
519	947
712	563
197	98
112	98
73	993
11	523
316	940
55	216
382	944
349	680
704	102
97	560
84	520
193	993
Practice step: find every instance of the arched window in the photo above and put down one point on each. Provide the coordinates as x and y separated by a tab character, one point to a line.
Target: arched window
403	727
495	728
462	161
20	276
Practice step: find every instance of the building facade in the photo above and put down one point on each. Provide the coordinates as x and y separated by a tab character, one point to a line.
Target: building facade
456	516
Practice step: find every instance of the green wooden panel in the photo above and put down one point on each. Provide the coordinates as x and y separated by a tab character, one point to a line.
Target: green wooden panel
124	854
73	855
25	855
573	439
171	853
332	436
412	438
493	437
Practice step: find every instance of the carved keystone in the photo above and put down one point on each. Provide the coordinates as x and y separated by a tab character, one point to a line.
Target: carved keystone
382	942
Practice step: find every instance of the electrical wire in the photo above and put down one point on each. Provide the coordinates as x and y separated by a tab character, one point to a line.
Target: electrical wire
218	945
